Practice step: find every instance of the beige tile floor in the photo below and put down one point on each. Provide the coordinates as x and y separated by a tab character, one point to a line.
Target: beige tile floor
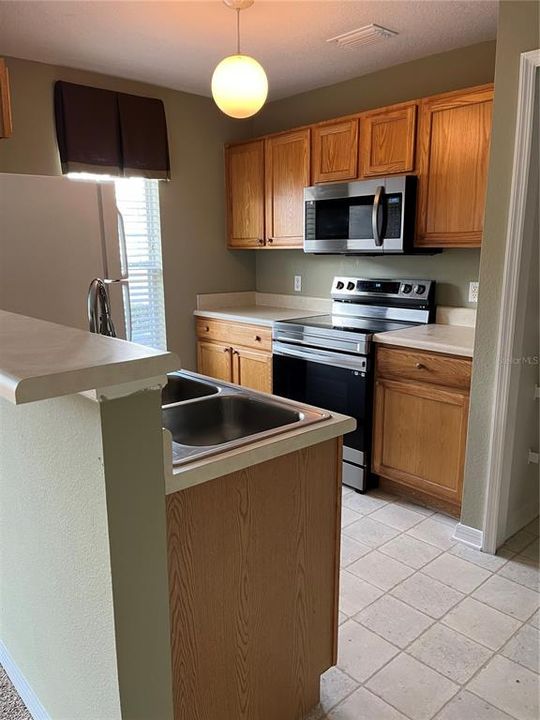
431	628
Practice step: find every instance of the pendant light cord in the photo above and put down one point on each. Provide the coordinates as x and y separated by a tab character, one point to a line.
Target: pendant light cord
238	31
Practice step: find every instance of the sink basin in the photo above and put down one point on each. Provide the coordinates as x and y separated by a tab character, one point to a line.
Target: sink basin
207	417
225	418
180	389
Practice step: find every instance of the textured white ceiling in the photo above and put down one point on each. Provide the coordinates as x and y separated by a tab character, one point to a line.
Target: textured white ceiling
178	44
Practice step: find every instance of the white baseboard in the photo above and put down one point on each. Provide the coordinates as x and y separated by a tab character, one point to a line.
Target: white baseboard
21	685
469	535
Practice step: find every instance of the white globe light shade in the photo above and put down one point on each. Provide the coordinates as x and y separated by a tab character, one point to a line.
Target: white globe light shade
239	86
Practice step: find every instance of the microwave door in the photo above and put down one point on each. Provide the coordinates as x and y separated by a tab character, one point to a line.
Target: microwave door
339	223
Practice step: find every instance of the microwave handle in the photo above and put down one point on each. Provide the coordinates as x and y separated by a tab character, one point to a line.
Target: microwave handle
375	216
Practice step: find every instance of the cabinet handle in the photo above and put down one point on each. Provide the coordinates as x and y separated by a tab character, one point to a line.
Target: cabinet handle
260	241
258	338
420	366
235	352
270	240
206	328
227	349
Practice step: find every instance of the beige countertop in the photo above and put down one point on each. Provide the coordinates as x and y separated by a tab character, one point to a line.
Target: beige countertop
259	308
453	333
257	314
41	360
448	339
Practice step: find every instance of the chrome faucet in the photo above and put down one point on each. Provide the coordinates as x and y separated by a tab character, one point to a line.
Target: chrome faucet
99	309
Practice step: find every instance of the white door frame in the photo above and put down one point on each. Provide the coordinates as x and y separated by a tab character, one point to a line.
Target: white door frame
503	416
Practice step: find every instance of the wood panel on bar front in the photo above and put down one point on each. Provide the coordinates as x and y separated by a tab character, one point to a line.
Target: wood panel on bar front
253	577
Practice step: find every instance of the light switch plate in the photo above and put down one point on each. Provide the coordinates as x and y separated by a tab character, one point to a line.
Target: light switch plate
297	283
473	292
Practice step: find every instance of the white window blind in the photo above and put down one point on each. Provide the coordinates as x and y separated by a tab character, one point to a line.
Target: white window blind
138	202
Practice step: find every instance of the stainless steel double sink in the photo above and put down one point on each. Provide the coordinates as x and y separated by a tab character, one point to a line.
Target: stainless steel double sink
206	417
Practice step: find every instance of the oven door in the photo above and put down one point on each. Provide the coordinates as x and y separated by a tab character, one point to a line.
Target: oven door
333	381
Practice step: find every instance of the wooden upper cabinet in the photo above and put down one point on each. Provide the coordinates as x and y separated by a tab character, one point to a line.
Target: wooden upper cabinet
287	174
453	154
334	151
443	139
387	140
244	167
5	103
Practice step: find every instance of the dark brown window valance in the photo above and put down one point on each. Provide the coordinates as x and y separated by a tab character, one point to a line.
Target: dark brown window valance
106	132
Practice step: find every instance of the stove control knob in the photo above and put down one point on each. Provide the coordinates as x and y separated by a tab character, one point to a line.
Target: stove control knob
340	285
406	288
419	289
350	286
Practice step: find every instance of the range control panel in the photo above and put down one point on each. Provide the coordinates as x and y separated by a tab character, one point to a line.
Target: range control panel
363	288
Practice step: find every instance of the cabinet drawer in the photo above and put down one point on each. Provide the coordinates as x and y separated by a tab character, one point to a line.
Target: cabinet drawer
251	336
423	367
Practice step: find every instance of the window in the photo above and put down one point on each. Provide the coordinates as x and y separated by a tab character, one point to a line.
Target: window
138	202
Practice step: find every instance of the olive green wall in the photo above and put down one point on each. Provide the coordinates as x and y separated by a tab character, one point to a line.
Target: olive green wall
84	601
453	269
518	32
195	258
446	71
132	440
56	597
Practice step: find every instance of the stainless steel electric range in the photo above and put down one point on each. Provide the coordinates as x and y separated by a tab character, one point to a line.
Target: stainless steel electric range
327	360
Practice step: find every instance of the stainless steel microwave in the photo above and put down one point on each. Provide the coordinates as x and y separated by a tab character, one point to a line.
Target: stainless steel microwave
368	217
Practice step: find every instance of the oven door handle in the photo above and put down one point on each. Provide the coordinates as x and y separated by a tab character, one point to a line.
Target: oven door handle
296	341
324	358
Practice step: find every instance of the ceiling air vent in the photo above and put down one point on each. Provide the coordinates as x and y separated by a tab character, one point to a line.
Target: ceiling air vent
363	36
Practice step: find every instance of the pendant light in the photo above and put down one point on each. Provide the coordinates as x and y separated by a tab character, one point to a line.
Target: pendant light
239	83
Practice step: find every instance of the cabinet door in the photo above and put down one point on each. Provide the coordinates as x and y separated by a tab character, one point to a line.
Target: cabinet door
252	369
215	360
245	194
287	174
334	151
5	103
419	437
387	139
453	155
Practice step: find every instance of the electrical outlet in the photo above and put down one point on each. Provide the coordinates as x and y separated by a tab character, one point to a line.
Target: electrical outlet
297	283
473	292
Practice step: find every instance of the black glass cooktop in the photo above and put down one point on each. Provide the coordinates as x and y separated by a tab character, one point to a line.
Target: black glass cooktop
351	324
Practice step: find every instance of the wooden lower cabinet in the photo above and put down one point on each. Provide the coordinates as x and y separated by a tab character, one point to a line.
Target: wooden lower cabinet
253	580
420	430
252	369
222	357
214	360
